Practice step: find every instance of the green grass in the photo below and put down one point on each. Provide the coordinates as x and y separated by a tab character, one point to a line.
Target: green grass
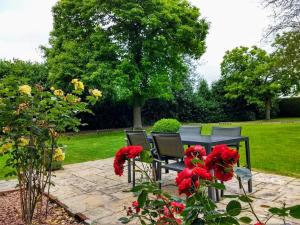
275	147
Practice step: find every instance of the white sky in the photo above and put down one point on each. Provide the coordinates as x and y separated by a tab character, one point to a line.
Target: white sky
25	25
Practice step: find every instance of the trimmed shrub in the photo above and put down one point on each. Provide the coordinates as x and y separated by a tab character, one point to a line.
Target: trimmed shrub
289	107
166	125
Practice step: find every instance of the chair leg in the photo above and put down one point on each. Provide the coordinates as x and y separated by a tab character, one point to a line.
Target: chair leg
238	164
248	163
217	194
159	174
129	170
222	191
133	172
166	170
154	170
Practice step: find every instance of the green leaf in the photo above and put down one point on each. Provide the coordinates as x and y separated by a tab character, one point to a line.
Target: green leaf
219	186
295	211
124	220
233	208
227	221
142	198
245	198
245	219
278	211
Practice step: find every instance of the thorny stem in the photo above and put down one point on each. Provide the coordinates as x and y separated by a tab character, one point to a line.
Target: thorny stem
250	205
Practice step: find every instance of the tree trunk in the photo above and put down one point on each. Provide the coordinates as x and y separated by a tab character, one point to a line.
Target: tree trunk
137	117
268	109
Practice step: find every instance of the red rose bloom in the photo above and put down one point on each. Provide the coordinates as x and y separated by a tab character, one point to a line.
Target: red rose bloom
258	223
135	205
222	160
201	173
195	151
122	155
177	207
224	174
188	179
185	186
184	174
230	156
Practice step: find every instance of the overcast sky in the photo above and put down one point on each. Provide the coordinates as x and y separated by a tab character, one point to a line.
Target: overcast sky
25	25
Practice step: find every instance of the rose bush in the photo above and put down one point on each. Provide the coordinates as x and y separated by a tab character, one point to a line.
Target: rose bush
31	119
154	206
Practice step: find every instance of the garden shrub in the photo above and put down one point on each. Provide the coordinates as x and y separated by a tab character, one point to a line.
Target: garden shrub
289	107
166	125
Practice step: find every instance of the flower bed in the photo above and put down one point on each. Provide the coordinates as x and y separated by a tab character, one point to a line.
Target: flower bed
10	212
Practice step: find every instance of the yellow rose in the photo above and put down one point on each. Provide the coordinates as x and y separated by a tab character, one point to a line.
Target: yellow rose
22	142
96	93
74	81
5	147
58	155
58	93
79	86
72	98
25	89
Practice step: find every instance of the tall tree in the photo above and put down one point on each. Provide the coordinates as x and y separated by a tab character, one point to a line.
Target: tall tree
133	47
287	60
250	73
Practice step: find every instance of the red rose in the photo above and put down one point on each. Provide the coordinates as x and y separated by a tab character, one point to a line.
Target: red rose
185	186
190	164
201	173
259	223
230	156
177	207
122	155
119	167
186	173
134	151
166	221
135	205
222	160
224	174
195	151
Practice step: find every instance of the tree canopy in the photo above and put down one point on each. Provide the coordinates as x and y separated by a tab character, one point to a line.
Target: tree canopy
134	48
250	73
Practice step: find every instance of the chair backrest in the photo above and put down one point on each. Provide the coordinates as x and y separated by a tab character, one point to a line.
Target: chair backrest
138	137
168	145
227	131
190	130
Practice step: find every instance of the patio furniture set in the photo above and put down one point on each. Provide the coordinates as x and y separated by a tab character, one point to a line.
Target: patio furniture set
167	149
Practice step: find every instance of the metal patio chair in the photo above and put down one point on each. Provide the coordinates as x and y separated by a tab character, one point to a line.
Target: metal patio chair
168	146
190	130
230	132
136	137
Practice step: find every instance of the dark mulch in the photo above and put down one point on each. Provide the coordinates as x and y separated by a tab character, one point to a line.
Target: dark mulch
10	213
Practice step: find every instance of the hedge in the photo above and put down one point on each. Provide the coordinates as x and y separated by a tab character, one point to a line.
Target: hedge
289	107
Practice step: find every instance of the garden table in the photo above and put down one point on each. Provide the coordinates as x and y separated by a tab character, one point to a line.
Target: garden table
208	141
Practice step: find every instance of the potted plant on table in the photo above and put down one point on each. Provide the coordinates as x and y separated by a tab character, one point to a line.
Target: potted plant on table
166	125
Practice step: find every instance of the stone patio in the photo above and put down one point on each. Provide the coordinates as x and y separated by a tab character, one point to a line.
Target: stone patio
92	188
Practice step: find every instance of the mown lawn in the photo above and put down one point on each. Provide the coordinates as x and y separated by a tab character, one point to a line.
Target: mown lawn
275	147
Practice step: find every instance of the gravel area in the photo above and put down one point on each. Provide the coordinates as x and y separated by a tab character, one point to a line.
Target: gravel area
10	213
